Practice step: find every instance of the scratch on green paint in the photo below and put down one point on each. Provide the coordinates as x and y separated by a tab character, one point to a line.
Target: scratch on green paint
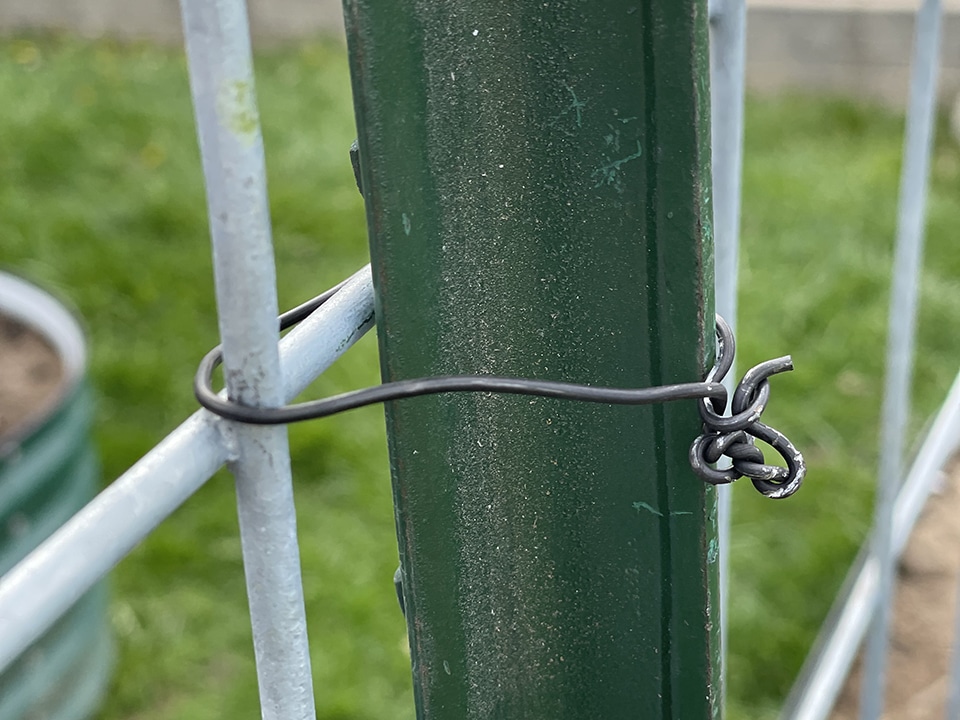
609	174
713	550
640	505
238	109
576	106
613	139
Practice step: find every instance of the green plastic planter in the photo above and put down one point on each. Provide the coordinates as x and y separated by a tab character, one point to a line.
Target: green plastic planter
48	471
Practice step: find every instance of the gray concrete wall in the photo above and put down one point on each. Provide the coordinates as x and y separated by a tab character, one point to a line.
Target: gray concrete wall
271	21
859	48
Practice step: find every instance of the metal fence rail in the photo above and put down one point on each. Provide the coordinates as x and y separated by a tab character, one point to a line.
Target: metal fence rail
728	40
47	582
231	147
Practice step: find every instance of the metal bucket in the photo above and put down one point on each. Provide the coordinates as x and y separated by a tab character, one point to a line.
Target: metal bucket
48	471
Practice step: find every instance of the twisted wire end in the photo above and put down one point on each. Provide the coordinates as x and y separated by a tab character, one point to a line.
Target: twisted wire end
734	436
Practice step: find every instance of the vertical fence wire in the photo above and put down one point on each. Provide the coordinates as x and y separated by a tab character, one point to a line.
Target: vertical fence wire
901	337
222	85
728	19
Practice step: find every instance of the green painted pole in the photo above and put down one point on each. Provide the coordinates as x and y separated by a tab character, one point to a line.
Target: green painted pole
537	183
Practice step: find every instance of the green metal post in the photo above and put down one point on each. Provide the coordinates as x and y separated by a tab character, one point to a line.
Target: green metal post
537	184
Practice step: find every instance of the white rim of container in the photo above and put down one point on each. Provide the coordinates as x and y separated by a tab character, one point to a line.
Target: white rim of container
45	315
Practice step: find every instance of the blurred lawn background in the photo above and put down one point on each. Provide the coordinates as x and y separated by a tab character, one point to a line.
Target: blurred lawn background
101	200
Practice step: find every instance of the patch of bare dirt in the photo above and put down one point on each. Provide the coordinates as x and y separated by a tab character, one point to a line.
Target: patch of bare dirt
923	623
30	375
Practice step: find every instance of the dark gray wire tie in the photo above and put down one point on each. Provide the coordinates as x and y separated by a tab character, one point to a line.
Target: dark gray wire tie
732	436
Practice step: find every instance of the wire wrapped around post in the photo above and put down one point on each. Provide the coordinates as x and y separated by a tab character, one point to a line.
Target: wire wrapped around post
730	436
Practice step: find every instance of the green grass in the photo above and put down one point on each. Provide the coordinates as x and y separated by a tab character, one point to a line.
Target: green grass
101	199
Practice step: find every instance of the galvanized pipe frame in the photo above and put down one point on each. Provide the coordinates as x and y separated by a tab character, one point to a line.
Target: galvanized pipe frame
901	338
234	168
50	580
728	21
865	602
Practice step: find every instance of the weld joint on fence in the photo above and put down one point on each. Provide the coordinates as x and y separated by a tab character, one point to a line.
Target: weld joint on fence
731	436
